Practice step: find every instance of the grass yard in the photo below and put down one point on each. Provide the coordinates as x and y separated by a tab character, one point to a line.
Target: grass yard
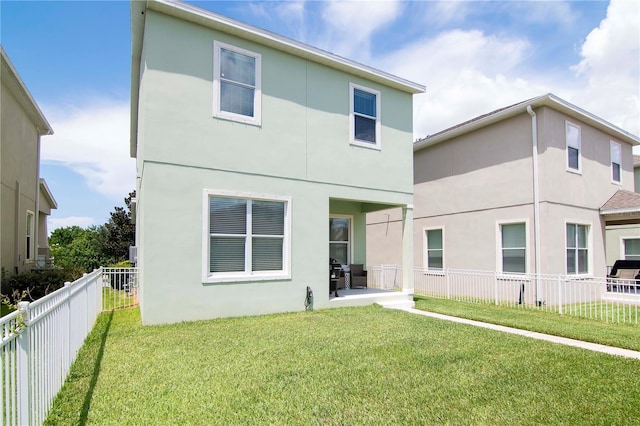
337	367
619	335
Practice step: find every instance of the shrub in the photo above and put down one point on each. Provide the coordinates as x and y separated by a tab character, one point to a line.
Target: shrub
31	286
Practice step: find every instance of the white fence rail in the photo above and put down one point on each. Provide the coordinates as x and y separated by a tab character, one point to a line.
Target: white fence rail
40	341
595	298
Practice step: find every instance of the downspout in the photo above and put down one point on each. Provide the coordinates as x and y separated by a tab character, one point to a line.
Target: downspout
36	215
536	201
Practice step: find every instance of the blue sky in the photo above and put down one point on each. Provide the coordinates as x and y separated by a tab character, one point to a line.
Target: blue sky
473	57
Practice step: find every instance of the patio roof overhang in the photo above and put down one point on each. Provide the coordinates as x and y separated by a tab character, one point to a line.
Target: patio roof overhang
623	208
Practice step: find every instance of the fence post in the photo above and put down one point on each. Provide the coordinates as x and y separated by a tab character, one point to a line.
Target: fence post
495	287
447	274
560	294
23	373
67	350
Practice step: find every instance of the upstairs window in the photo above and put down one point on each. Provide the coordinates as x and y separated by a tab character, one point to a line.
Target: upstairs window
616	161
364	116
435	249
236	81
577	249
573	147
631	248
246	238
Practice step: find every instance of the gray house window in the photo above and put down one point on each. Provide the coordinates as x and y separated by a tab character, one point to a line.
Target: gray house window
573	147
577	249
616	161
435	249
514	247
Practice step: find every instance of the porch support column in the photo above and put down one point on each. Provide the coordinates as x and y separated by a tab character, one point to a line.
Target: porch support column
407	248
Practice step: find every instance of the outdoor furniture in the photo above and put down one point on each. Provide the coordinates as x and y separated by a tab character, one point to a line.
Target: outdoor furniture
336	277
358	276
624	276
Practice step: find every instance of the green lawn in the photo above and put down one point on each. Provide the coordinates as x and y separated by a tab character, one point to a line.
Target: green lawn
337	367
620	335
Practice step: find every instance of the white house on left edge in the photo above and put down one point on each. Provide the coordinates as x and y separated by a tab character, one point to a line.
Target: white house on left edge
250	148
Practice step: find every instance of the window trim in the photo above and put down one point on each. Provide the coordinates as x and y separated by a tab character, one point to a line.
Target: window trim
566	128
589	226
29	237
623	254
350	236
527	242
425	250
352	124
611	144
244	276
257	99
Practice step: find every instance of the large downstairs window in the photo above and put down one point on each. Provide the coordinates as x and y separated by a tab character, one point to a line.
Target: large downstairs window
247	237
364	116
577	249
236	84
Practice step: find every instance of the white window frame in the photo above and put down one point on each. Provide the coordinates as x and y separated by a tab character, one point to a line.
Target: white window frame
247	275
499	259
579	147
589	226
352	120
257	98
623	254
425	251
29	237
350	236
619	163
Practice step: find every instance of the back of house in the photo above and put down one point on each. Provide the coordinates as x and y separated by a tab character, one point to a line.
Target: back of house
251	148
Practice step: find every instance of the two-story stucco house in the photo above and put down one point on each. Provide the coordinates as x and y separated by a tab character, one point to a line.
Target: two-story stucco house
518	190
258	158
26	200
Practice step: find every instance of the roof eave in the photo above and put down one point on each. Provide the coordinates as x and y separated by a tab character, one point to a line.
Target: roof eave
11	77
549	100
48	194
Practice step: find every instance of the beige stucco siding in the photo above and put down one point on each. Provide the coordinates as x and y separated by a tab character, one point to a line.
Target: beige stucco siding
19	175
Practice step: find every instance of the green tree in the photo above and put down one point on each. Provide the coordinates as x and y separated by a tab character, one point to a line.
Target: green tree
120	232
75	247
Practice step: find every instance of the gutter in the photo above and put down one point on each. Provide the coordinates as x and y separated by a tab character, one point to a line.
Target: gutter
536	197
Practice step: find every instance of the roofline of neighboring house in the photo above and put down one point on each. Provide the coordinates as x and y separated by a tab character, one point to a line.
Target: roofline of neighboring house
550	100
222	23
625	210
14	83
48	194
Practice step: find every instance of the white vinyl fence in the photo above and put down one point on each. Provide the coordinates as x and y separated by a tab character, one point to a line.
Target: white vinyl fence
596	298
40	341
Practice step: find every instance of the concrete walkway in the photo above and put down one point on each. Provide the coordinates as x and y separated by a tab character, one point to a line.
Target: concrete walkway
610	350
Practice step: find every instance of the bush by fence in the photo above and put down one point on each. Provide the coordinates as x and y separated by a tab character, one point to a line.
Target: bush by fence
30	286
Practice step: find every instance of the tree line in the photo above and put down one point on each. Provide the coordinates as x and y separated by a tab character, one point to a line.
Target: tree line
97	245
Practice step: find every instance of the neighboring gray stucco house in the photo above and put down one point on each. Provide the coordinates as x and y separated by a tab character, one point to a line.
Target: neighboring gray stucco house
623	231
252	149
26	200
517	190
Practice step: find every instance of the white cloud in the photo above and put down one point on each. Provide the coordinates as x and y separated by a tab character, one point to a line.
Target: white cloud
611	66
350	24
467	73
93	141
63	222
